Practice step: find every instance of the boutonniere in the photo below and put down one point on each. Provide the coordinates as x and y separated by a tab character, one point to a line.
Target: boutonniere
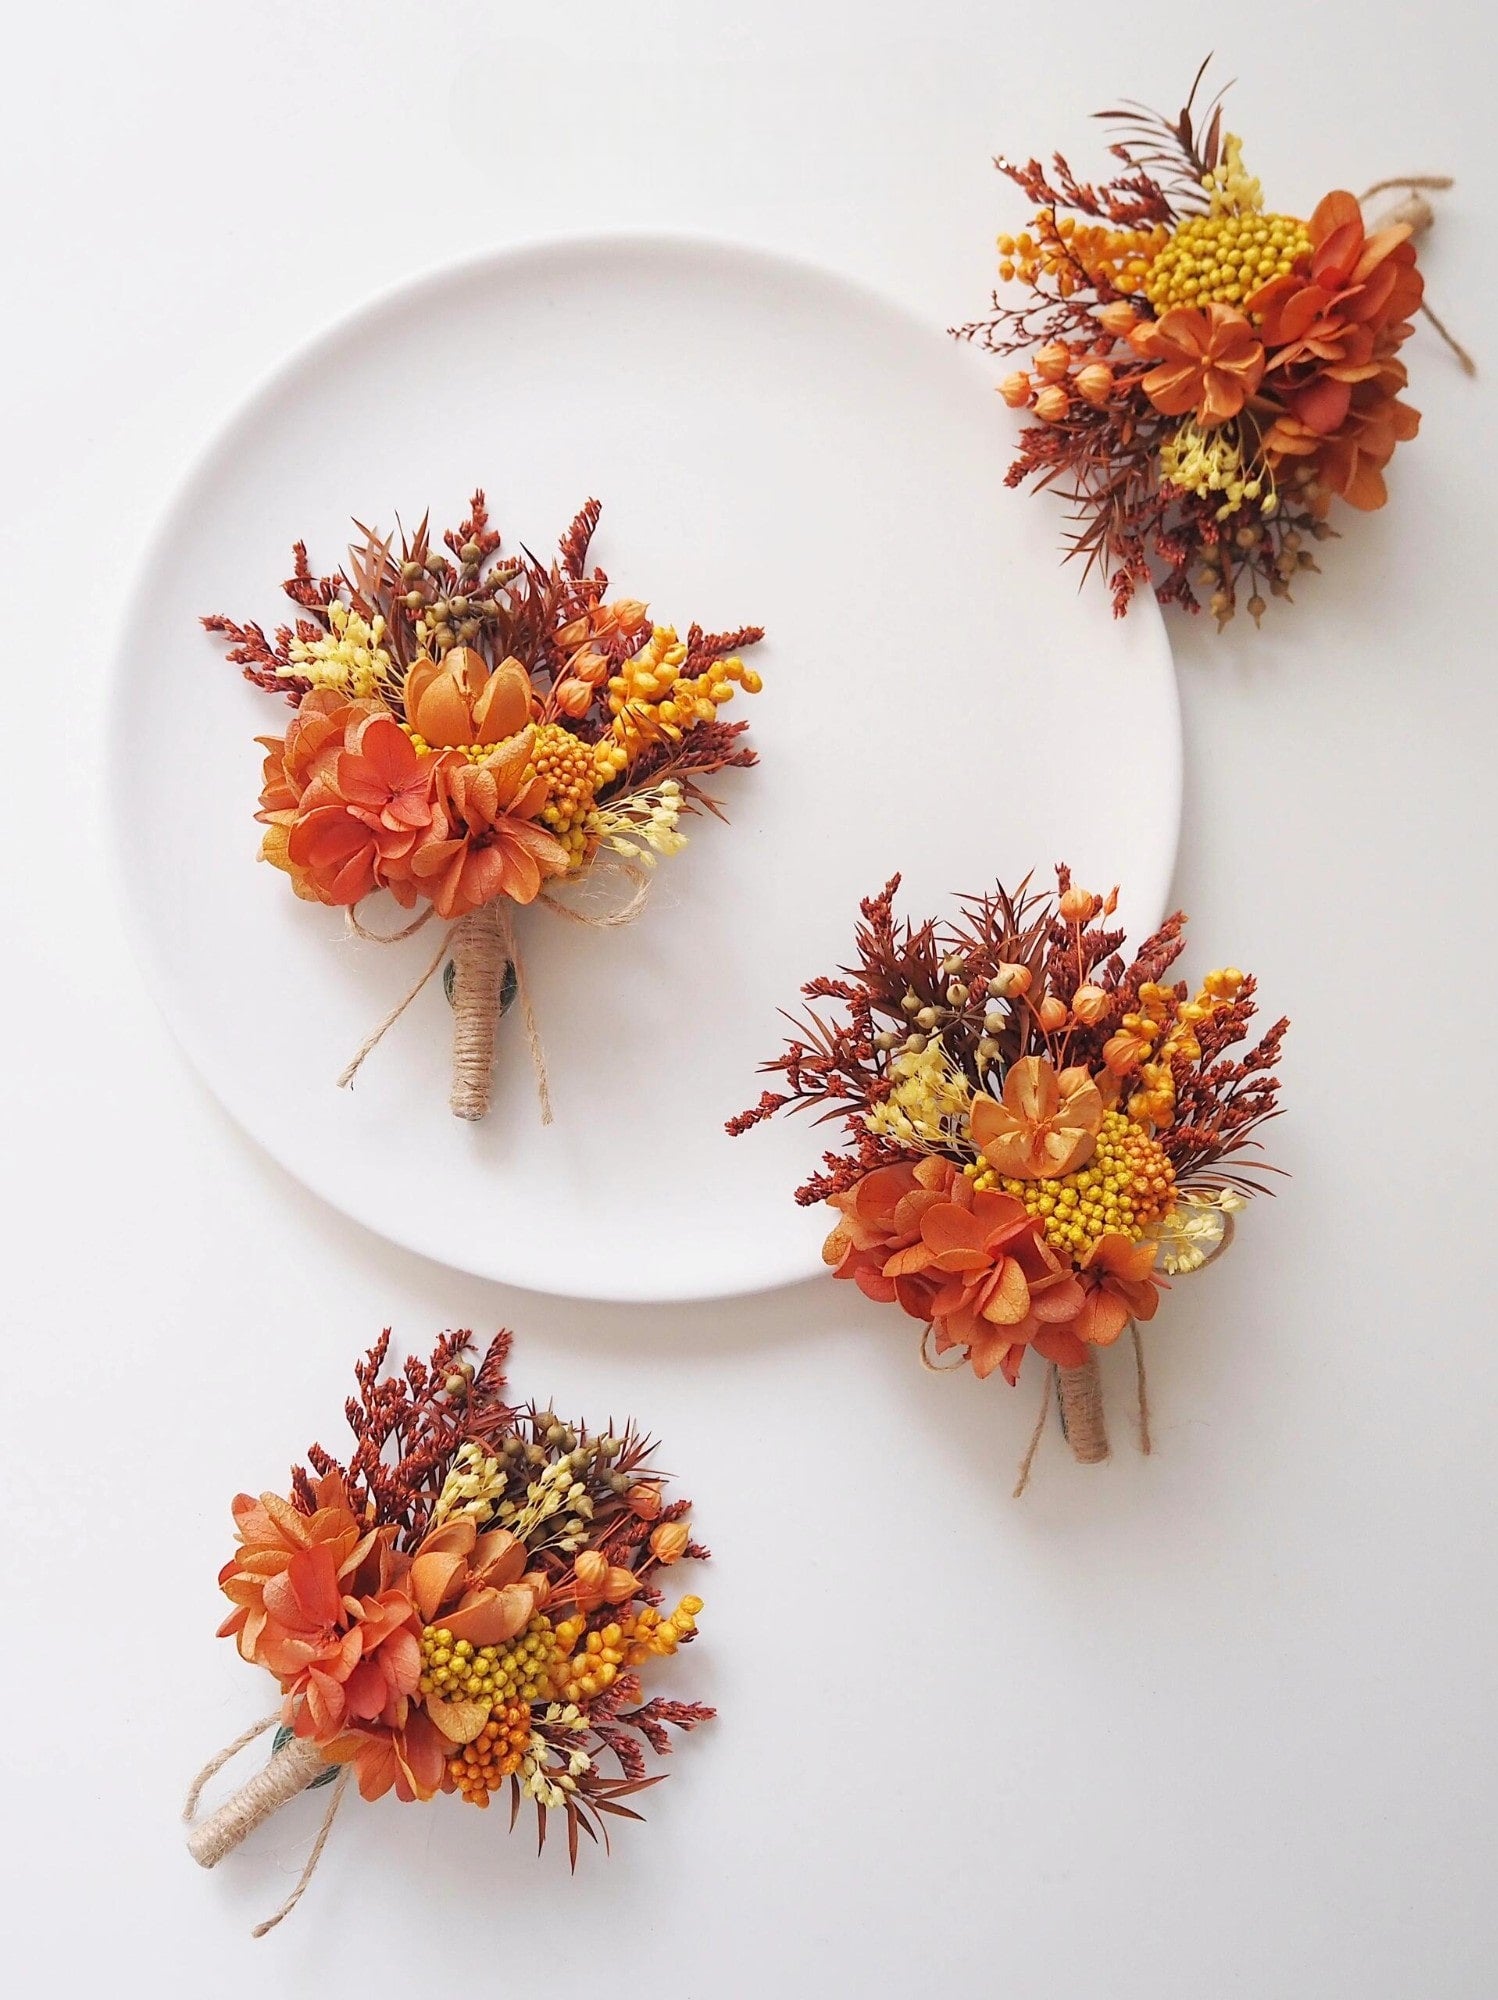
1041	1131
475	732
1204	376
470	1606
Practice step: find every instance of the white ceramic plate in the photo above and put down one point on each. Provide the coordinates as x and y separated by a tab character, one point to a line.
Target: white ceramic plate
771	444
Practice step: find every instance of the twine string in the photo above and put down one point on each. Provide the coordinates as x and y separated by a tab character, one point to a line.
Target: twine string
312	1859
1037	1434
1419	214
599	920
937	1367
372	1041
511	951
216	1764
1142	1385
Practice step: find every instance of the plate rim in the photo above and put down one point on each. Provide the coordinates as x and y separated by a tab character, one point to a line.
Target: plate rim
296	361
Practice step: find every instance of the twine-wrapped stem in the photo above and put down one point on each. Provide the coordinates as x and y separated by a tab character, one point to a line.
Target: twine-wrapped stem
1080	1393
478	951
289	1772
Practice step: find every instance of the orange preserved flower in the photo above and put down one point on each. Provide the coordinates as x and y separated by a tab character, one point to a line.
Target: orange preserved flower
477	1585
1046	1126
1334	333
410	1759
1119	1287
1210	362
482	842
1001	1286
881	1214
318	1602
457	701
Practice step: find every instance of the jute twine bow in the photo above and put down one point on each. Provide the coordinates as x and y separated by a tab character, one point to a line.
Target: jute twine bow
1079	1392
1417	214
481	946
290	1771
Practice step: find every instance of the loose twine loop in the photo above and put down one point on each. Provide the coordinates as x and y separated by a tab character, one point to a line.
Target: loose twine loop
1418	215
287	1774
480	945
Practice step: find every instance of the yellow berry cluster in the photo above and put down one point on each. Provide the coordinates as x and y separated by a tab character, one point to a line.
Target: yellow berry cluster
651	701
1163	1029
589	1662
481	1767
572	777
1126	1185
474	752
1224	257
456	1670
1119	256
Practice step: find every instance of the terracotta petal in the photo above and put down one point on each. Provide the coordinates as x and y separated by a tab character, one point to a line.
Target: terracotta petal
441	714
1006	1299
1102	1319
459	1721
490	1617
432	1577
504	707
498	1558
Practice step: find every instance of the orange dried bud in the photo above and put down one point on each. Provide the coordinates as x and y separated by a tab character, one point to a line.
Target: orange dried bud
629	613
574	697
591	1571
644	1499
589	665
1078	906
1110	903
668	1542
1011	982
1052	404
1015	389
620	1584
1051	1013
1090	1005
1095	383
1052	361
1123	1052
1118	317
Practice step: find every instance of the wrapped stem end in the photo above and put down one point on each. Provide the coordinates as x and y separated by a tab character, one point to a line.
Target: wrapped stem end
479	960
1080	1392
290	1771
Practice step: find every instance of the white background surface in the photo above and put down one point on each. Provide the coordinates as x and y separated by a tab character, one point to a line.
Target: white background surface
1213	1724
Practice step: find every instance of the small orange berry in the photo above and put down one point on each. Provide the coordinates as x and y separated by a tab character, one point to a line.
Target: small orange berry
1053	361
1052	404
1095	383
1015	389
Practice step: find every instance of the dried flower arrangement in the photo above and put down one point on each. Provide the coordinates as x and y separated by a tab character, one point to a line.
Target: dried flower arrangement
465	1605
1039	1129
1204	375
472	728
